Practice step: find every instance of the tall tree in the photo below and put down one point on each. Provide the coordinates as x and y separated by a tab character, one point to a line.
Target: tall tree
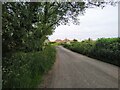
27	24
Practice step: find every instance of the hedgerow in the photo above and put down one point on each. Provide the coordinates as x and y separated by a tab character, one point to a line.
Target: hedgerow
105	49
25	70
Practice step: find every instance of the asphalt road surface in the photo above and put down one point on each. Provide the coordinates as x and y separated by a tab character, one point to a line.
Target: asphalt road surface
73	70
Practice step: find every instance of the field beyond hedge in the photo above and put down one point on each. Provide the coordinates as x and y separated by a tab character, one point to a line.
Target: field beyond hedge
25	70
104	49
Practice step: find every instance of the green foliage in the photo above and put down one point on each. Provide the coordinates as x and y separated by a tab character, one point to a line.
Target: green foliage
105	49
25	70
75	40
26	22
55	43
26	25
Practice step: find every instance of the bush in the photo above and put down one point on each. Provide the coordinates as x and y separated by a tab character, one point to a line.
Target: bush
105	49
25	70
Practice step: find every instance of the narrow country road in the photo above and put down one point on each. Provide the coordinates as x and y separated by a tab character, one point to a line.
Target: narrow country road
72	70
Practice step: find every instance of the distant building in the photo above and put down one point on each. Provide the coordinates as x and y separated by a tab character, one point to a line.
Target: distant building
66	40
58	40
63	41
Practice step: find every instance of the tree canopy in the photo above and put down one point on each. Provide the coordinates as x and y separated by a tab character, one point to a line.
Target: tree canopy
26	25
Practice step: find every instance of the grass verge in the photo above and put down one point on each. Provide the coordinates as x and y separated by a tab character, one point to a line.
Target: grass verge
25	70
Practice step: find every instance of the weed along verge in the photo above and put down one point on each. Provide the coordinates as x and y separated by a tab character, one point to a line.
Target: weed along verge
25	70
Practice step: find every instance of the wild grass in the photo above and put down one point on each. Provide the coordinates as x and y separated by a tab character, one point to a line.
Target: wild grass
25	70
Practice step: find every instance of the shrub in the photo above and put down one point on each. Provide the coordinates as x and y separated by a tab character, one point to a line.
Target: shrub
25	70
105	49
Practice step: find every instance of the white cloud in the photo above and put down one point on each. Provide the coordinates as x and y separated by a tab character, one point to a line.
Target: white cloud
96	23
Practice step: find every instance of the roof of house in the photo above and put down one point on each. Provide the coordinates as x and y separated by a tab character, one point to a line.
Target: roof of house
59	40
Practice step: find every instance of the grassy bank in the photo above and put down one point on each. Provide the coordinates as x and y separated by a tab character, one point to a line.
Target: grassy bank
25	70
105	49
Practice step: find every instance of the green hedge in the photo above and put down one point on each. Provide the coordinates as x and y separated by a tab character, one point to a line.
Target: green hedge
105	49
25	70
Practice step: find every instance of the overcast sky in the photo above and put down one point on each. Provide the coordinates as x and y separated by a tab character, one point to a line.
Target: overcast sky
96	23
